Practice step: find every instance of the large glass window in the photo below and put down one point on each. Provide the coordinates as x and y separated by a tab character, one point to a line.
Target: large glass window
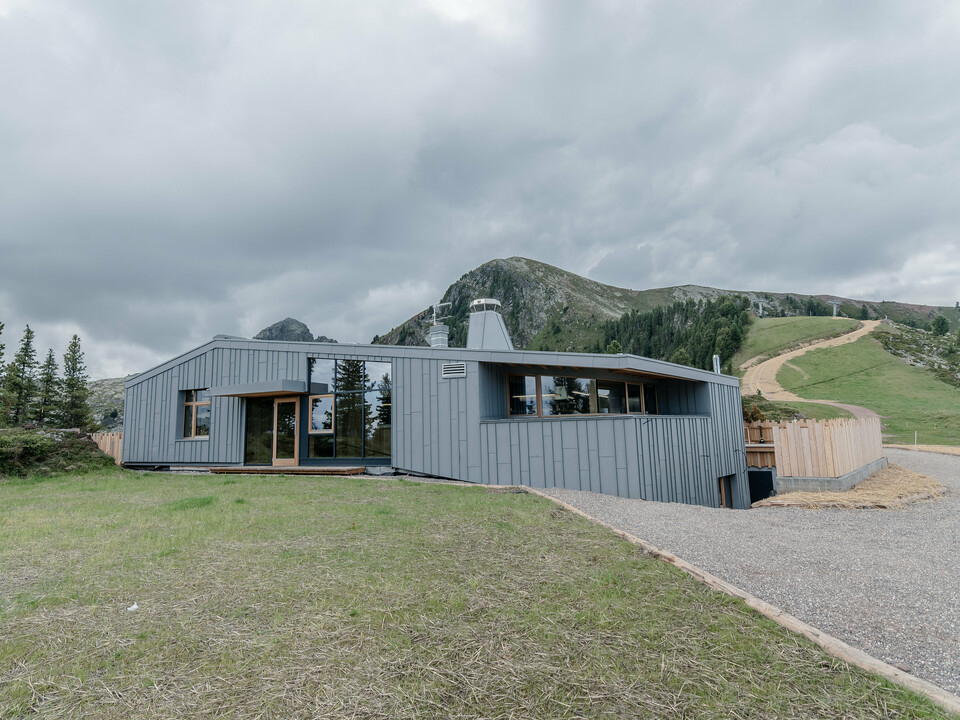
349	425
523	395
378	426
321	414
566	396
350	412
562	395
321	376
650	399
611	397
196	414
258	449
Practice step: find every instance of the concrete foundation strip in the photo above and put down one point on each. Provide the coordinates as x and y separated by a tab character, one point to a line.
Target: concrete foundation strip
829	643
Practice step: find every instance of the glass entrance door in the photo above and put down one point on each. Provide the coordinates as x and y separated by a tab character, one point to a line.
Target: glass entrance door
286	420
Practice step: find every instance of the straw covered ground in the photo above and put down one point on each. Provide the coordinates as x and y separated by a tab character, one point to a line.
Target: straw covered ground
942	449
892	488
262	597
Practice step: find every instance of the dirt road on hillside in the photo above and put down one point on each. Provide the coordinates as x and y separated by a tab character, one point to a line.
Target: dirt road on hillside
762	377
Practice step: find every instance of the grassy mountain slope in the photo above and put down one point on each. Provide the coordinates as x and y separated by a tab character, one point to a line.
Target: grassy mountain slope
547	308
769	337
863	373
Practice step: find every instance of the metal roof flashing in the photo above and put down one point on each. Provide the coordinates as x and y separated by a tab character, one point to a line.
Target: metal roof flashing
622	361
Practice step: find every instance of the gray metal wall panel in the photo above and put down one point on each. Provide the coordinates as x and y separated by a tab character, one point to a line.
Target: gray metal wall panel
434	414
655	458
154	406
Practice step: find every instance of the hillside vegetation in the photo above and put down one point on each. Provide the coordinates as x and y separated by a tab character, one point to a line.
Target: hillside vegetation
768	337
687	333
547	308
862	373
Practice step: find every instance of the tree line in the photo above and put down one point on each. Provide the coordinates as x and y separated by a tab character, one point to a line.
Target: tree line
686	332
35	392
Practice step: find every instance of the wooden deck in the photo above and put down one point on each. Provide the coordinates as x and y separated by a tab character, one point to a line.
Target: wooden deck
292	470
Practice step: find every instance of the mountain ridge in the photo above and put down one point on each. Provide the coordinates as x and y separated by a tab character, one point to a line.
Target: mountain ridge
548	308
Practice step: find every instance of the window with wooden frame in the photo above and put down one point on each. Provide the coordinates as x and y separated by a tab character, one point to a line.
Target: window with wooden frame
552	396
196	414
321	414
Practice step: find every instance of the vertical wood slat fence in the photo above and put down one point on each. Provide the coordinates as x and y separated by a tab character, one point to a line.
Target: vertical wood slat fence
814	448
110	443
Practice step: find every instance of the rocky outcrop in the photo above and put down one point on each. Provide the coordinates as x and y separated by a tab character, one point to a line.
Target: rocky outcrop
290	330
106	402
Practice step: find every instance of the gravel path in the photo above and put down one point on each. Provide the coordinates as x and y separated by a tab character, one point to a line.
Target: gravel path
884	581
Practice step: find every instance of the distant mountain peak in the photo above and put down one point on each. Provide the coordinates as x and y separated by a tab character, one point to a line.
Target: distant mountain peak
548	308
290	330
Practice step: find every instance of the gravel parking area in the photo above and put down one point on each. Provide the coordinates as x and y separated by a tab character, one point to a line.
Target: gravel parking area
884	581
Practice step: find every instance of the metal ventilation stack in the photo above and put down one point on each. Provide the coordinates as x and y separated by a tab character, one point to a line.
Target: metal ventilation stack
487	330
439	334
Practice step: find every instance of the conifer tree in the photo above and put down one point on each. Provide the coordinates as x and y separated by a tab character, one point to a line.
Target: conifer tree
48	391
75	406
20	380
4	407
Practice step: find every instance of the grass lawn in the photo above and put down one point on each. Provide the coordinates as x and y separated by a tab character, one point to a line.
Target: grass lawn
374	598
777	411
774	336
863	373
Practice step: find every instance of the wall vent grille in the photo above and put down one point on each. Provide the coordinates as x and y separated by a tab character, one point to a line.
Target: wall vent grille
453	370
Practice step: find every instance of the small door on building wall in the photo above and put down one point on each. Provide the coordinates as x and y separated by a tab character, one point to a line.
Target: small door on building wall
286	420
726	491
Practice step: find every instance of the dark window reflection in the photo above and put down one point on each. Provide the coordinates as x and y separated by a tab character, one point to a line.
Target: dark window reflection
351	376
650	399
321	376
377	373
259	432
565	395
523	395
321	413
320	446
378	423
203	421
611	397
349	410
286	430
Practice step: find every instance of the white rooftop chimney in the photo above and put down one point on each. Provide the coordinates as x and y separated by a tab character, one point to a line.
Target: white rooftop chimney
486	330
439	333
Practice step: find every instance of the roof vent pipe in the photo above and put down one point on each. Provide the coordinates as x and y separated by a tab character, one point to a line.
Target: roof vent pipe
716	364
486	330
439	336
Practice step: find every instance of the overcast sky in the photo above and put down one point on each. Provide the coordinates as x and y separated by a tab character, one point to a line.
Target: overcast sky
173	170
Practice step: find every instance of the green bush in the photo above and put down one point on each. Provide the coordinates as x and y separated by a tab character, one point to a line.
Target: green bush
19	449
48	452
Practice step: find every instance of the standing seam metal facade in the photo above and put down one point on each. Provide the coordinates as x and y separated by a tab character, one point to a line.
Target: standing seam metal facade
458	428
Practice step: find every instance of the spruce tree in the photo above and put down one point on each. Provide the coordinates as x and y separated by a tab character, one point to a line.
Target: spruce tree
4	407
75	406
48	391
20	380
940	326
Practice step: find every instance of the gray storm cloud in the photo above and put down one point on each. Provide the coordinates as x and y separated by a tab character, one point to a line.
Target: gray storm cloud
169	171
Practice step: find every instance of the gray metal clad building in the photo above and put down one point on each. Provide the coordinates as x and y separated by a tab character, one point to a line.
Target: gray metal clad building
617	424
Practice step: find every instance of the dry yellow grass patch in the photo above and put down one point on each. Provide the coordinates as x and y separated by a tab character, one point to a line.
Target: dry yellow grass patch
942	449
890	489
